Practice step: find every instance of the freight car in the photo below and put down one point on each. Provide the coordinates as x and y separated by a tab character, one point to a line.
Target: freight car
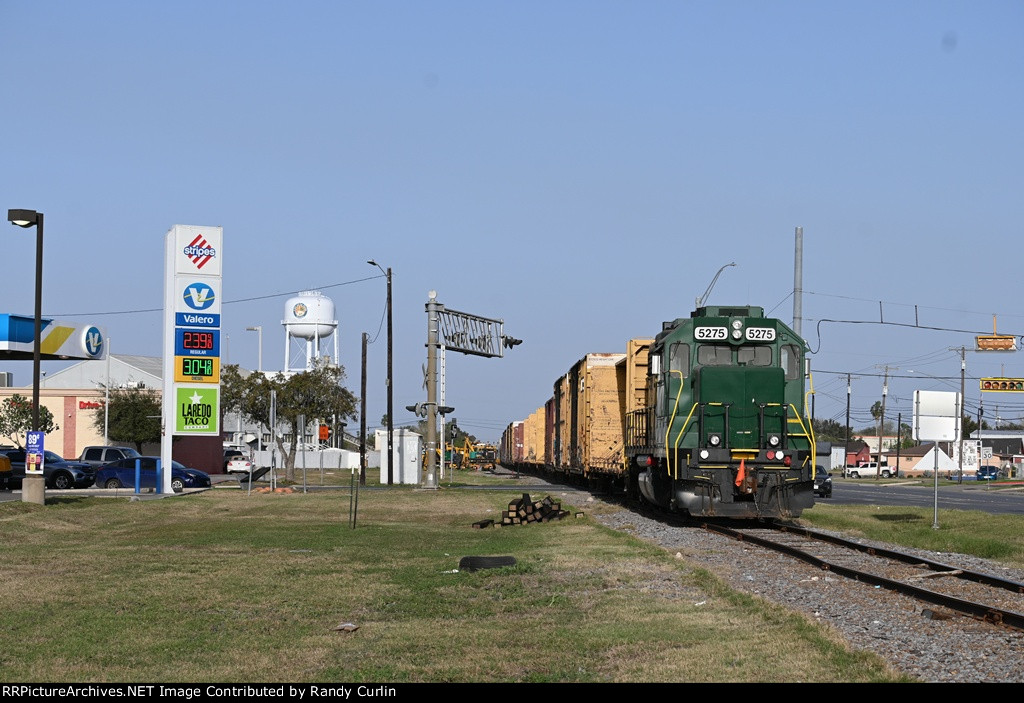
708	418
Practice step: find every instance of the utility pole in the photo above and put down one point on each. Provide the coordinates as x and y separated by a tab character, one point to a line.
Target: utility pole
798	283
362	422
899	425
846	448
433	342
391	394
881	421
963	371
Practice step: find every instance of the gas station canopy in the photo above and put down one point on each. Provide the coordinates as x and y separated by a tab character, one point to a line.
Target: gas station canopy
59	339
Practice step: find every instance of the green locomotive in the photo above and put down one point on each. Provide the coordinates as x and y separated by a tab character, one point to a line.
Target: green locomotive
725	432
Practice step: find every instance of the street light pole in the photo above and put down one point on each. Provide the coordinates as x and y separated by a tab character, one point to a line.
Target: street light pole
391	408
28	218
34	486
258	329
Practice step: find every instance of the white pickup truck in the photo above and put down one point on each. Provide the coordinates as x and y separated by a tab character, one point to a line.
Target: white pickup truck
869	469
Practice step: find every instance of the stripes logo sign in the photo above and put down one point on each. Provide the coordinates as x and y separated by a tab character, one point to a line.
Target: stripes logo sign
199	251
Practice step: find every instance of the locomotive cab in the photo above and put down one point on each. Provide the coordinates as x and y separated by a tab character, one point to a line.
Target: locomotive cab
724	433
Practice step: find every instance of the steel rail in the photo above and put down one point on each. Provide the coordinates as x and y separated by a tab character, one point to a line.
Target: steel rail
937	566
980	611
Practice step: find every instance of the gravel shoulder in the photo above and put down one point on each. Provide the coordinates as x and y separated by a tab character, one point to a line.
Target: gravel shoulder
897	628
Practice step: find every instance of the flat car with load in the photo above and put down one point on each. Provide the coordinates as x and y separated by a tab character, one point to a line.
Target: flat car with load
708	418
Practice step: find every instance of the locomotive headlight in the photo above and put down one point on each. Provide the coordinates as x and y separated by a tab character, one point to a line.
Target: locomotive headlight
715	440
736	334
736	324
774	440
704	454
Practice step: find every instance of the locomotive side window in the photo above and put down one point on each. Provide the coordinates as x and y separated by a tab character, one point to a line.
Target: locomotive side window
713	355
789	358
679	359
754	356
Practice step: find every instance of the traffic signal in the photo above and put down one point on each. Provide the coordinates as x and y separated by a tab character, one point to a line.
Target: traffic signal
420	409
1006	385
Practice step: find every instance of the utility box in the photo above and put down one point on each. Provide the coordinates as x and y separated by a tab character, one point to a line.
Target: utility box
408	448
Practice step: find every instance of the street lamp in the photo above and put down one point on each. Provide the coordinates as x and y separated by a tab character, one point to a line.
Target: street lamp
259	359
28	218
258	329
391	414
34	487
701	300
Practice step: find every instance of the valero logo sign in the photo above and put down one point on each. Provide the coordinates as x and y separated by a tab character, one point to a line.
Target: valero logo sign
93	341
199	296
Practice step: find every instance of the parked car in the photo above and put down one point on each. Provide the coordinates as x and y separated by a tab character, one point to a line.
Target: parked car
988	473
230	454
121	474
99	456
57	472
822	482
5	473
239	464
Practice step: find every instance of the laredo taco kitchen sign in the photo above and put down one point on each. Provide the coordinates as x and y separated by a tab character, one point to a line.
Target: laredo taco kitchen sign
196	410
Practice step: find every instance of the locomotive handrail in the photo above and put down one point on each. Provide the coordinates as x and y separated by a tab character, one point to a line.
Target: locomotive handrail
810	390
809	431
672	418
760	421
679	437
814	442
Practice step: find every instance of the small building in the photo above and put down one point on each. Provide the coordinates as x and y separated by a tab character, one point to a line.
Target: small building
408	448
857	452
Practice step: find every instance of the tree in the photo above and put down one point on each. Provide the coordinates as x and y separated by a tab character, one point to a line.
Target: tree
968	425
16	418
316	394
133	416
830	431
876	410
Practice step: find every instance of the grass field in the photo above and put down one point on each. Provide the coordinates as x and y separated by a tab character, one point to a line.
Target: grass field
223	586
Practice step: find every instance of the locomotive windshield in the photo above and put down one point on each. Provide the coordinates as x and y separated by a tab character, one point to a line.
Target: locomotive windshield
714	355
721	355
754	356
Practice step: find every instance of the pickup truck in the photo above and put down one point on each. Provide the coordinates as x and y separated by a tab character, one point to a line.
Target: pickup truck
869	469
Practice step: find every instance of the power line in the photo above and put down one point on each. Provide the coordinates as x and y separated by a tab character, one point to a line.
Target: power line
227	302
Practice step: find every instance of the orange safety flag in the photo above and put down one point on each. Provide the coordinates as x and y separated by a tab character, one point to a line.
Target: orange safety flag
742	473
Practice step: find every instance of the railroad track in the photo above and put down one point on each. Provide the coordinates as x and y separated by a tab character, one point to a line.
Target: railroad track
977	594
983	596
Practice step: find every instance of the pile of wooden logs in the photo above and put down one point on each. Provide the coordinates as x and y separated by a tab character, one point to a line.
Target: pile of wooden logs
525	510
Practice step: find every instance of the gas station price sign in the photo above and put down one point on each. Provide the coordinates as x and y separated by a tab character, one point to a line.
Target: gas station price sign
197	369
196	342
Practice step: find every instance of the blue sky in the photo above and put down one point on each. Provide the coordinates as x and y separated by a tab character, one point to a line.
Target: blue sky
580	170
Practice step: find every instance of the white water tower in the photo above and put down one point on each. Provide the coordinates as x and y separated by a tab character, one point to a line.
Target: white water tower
308	317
